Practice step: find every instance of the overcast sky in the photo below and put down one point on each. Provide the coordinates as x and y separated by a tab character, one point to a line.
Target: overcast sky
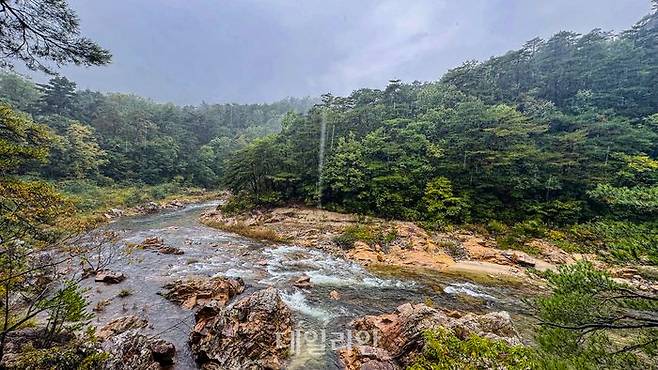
188	51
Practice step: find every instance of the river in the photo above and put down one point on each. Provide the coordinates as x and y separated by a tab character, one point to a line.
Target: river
319	319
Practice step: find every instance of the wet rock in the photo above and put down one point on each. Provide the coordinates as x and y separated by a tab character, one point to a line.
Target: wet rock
303	282
334	295
193	292
120	325
366	358
156	244
254	333
109	277
162	351
400	333
132	350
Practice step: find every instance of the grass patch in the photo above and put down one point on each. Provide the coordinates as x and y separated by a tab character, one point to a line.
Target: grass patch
125	293
252	232
379	234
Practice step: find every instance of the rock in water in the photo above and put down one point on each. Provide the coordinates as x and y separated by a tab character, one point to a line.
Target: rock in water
120	325
109	277
194	292
131	350
253	333
156	244
303	282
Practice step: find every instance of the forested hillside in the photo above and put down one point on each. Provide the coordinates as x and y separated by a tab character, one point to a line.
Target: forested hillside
562	133
119	138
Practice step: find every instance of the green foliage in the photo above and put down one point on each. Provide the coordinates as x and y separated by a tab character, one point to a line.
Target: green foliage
441	205
79	356
620	241
44	32
131	139
518	235
90	197
590	321
66	310
370	234
444	350
21	141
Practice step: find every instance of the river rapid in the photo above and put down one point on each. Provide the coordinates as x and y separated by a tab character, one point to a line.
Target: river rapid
319	320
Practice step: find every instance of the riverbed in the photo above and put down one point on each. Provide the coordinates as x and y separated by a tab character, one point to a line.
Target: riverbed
320	321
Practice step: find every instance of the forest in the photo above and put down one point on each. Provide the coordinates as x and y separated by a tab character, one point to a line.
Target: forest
561	134
555	141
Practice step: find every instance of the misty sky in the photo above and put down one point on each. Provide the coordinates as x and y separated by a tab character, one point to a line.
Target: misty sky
188	51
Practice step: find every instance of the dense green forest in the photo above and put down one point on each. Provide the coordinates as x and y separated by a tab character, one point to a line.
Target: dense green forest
120	138
561	133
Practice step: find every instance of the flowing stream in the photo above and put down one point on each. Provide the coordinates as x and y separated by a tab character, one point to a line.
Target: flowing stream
319	320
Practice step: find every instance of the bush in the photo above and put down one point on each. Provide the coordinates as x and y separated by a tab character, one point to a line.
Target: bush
444	350
237	204
520	234
369	234
619	241
73	356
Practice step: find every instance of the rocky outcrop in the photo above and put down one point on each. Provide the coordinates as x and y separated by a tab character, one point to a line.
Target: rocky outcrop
129	349
156	244
132	350
395	339
121	325
253	333
109	277
493	325
366	358
194	292
458	252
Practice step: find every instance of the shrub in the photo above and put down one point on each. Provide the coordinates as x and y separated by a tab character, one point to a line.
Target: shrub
369	234
444	350
619	241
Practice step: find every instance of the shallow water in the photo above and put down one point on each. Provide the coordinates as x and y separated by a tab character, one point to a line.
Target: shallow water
320	321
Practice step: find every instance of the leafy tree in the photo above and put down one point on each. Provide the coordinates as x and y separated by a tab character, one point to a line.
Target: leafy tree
28	214
57	96
38	32
441	204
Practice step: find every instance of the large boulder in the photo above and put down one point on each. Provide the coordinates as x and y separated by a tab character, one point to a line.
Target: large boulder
395	339
399	332
194	292
253	333
132	350
493	325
